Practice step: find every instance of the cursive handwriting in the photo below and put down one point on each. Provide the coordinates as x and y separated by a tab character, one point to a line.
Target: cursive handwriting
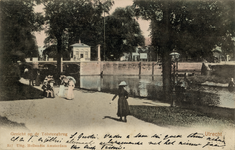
112	136
213	145
155	136
139	135
18	138
189	143
215	142
79	140
172	136
195	135
82	136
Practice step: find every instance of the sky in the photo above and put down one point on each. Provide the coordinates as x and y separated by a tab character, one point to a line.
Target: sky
144	25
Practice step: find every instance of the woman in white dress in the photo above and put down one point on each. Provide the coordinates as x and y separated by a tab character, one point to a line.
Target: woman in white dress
62	86
70	94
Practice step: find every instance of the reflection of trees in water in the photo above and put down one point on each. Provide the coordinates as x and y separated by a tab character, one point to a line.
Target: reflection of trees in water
152	89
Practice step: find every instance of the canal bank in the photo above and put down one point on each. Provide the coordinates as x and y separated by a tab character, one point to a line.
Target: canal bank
212	102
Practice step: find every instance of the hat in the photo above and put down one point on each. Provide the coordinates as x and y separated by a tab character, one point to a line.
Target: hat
123	83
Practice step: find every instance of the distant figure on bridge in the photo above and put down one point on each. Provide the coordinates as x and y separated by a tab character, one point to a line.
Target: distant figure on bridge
231	85
123	107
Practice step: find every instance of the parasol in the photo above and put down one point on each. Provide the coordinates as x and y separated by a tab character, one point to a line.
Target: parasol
71	78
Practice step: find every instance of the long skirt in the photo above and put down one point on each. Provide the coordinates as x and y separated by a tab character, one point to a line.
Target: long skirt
61	91
123	107
70	94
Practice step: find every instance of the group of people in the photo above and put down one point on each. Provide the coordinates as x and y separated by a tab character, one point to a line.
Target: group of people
67	82
48	87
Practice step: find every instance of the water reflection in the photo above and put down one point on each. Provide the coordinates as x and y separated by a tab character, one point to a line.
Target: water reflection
151	87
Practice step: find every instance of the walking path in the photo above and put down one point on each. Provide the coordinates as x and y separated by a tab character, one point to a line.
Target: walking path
90	113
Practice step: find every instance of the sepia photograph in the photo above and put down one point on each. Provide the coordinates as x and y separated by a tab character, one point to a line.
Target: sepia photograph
117	74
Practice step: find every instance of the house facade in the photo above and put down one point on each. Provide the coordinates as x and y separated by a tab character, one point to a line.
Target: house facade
81	52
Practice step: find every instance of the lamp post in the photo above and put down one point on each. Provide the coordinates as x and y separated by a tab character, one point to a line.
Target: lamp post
174	59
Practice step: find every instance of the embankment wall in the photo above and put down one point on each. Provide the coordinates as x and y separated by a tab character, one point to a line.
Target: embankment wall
132	68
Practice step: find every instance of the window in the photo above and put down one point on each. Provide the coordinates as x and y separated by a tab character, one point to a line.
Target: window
81	55
86	54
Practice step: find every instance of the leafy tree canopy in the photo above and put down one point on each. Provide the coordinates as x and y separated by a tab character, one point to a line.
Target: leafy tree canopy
195	27
18	22
74	20
123	33
190	27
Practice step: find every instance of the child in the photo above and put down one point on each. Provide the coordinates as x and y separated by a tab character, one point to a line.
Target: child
49	89
44	88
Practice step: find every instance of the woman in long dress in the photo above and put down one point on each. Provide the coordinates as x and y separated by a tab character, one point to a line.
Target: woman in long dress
62	86
70	94
123	107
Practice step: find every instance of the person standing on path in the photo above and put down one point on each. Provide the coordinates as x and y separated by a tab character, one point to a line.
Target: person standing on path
123	107
37	82
71	85
31	76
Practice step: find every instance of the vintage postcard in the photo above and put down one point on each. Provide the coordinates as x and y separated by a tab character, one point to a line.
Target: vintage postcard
117	74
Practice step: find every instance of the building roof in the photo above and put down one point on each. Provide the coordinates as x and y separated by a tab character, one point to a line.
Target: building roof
79	45
217	49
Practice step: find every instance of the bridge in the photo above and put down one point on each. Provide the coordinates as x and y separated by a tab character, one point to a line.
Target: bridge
117	67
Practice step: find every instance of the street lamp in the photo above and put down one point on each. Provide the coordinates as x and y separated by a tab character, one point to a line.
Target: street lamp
174	59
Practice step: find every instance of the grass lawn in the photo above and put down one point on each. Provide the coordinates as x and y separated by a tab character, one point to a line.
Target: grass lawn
19	91
4	122
175	116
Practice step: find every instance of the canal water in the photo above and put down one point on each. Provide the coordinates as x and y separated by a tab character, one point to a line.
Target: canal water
151	87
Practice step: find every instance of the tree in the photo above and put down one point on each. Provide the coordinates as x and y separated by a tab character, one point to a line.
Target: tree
78	19
191	27
18	22
122	33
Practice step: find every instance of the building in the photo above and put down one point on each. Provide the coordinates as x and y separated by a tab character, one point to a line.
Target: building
217	54
140	54
81	52
40	52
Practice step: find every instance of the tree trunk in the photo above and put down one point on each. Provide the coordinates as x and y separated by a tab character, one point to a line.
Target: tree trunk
166	58
166	71
59	50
